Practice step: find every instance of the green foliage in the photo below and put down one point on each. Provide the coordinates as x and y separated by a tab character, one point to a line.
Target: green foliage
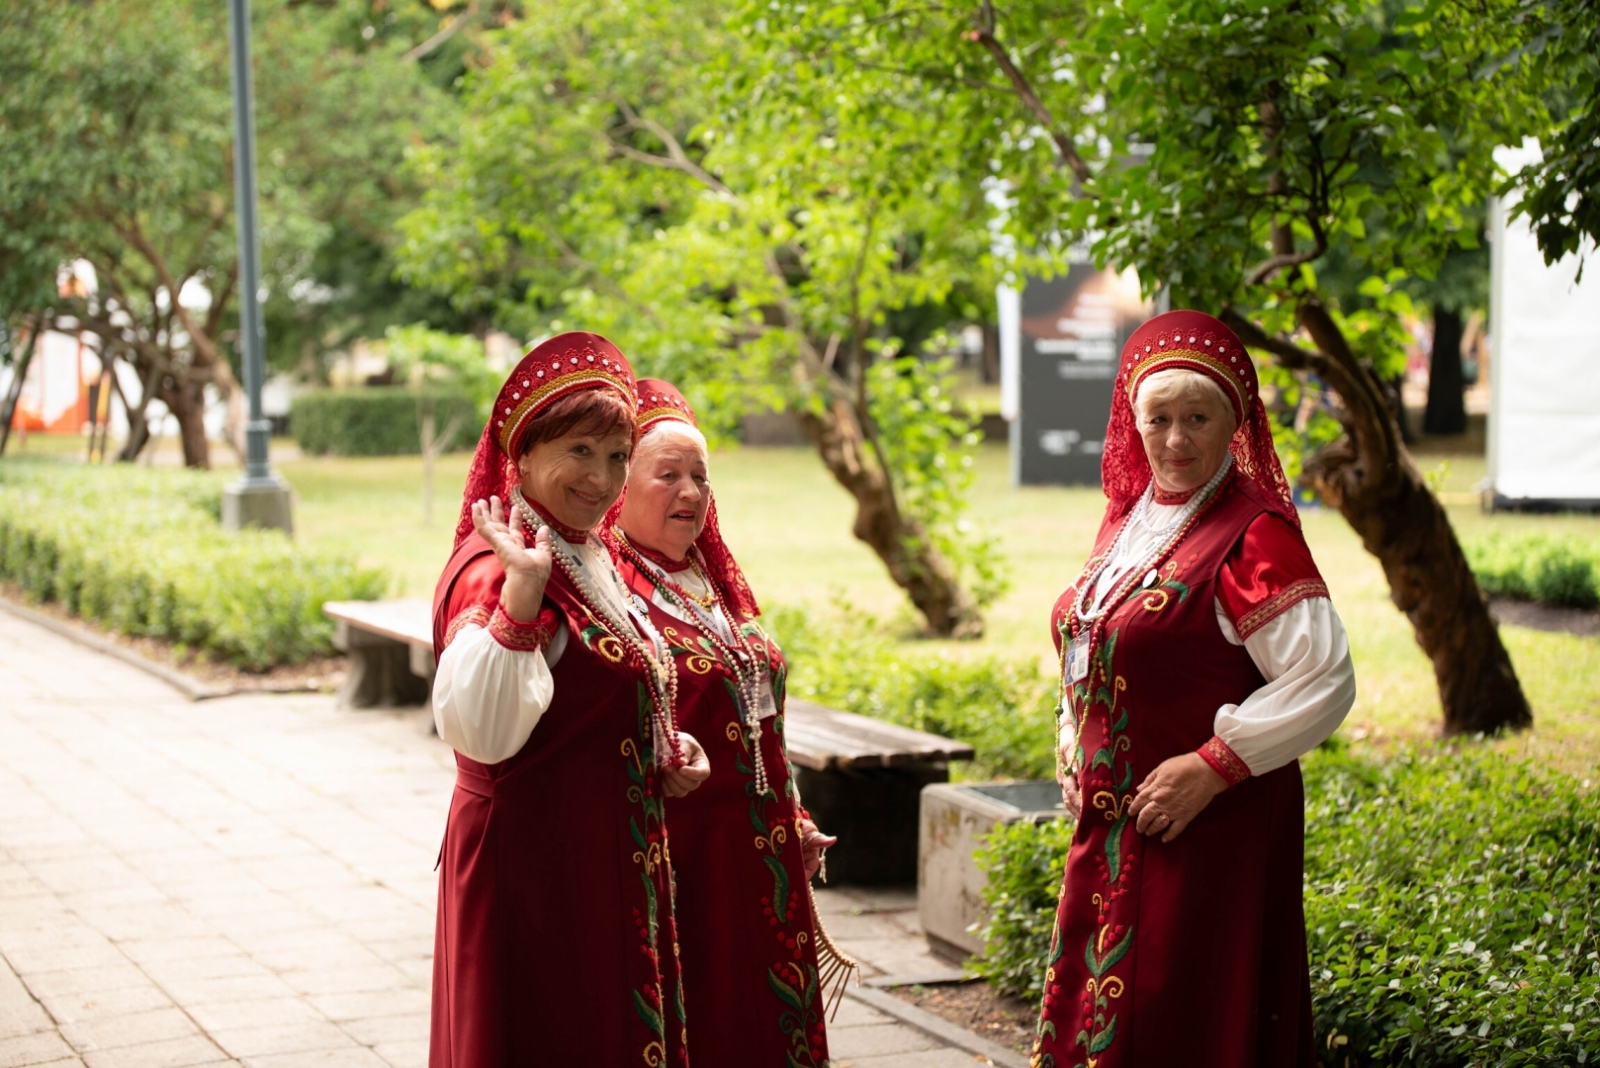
1537	567
929	441
849	661
164	568
623	168
1452	910
380	420
438	362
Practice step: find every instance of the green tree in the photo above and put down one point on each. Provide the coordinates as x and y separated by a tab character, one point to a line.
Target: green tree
1224	149
119	120
439	365
616	172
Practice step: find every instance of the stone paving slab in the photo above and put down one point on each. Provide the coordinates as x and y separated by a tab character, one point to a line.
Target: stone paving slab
249	881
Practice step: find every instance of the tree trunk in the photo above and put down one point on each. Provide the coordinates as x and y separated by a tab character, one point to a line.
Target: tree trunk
187	402
1447	409
1370	478
19	368
913	563
990	356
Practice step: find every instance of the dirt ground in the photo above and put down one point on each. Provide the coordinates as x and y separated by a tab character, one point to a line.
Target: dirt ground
1005	1021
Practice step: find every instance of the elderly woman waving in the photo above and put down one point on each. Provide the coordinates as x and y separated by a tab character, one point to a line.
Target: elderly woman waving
745	849
555	941
1200	658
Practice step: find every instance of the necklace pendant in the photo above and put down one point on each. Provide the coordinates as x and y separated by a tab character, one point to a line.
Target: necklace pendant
1150	579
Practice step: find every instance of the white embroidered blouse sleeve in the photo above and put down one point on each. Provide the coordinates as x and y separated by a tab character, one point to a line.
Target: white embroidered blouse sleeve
1304	655
487	698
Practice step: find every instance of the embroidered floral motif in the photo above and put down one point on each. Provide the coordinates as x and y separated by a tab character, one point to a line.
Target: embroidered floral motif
1224	761
1279	603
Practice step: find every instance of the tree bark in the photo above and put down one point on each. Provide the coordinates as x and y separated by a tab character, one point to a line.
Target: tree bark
914	564
187	402
1447	407
1370	478
19	375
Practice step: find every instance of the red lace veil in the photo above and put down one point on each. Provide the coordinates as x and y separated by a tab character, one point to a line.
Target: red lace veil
566	364
1196	341
659	402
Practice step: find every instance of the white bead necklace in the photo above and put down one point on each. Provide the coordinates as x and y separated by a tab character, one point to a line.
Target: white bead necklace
741	658
1090	608
633	631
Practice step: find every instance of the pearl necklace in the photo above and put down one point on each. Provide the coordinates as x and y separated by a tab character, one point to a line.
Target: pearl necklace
1090	609
747	667
662	670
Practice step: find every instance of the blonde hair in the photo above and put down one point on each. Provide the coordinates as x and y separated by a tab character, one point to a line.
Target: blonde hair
1175	383
659	436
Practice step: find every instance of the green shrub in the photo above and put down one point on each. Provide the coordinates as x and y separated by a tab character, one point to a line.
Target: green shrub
1452	908
1537	567
144	554
378	421
1003	709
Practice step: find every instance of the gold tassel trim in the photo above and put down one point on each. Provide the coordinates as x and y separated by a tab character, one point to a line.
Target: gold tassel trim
834	965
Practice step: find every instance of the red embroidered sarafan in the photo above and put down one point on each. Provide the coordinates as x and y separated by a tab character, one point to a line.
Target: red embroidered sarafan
1192	951
556	942
747	933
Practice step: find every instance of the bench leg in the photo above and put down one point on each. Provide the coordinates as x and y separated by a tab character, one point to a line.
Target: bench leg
875	813
380	676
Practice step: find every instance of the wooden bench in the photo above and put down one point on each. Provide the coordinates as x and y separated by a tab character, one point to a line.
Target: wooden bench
861	778
390	644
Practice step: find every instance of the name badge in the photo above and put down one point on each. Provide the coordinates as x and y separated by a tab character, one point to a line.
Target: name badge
766	705
1078	658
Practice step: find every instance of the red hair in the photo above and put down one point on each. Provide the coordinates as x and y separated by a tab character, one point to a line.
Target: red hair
589	413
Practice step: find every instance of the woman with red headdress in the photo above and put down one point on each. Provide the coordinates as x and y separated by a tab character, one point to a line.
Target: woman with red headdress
555	940
745	848
1201	657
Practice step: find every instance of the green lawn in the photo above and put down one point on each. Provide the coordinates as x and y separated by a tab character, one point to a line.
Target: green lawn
789	525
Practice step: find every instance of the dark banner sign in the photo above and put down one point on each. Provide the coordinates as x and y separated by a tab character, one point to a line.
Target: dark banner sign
1069	332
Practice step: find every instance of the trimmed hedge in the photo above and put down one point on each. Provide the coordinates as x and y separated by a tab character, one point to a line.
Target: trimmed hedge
1452	908
143	552
377	421
1002	708
1537	567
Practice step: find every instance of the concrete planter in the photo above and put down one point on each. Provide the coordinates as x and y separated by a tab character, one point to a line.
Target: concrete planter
954	820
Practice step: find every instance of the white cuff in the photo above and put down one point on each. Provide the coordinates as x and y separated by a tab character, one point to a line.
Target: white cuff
486	698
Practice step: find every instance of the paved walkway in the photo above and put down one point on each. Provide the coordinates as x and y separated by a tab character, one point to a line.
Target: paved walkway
248	881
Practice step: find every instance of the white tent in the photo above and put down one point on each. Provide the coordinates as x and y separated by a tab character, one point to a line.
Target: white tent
1544	371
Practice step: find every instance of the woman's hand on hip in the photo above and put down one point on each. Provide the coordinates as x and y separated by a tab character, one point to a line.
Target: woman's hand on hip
696	769
527	569
1174	794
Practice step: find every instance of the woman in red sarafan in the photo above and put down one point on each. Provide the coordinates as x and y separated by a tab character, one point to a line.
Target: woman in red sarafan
745	848
555	941
1200	658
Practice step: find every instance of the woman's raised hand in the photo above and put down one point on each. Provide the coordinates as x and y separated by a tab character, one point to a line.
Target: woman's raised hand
696	767
527	569
1174	794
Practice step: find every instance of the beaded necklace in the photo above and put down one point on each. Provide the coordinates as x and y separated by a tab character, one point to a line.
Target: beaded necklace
749	669
1086	620
631	630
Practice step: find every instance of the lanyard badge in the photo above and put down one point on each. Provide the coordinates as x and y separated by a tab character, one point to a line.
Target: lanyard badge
1078	658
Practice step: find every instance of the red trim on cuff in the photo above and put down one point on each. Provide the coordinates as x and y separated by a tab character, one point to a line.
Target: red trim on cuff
475	616
1224	761
523	637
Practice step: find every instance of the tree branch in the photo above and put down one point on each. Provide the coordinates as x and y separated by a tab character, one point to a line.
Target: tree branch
676	159
1065	149
447	31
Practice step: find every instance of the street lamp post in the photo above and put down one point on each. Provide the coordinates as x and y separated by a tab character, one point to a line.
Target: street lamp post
260	498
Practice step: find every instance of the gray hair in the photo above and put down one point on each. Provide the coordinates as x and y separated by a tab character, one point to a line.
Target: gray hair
1175	383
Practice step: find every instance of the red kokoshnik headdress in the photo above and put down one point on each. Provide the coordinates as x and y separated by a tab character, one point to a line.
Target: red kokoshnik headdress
565	364
1198	342
660	402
